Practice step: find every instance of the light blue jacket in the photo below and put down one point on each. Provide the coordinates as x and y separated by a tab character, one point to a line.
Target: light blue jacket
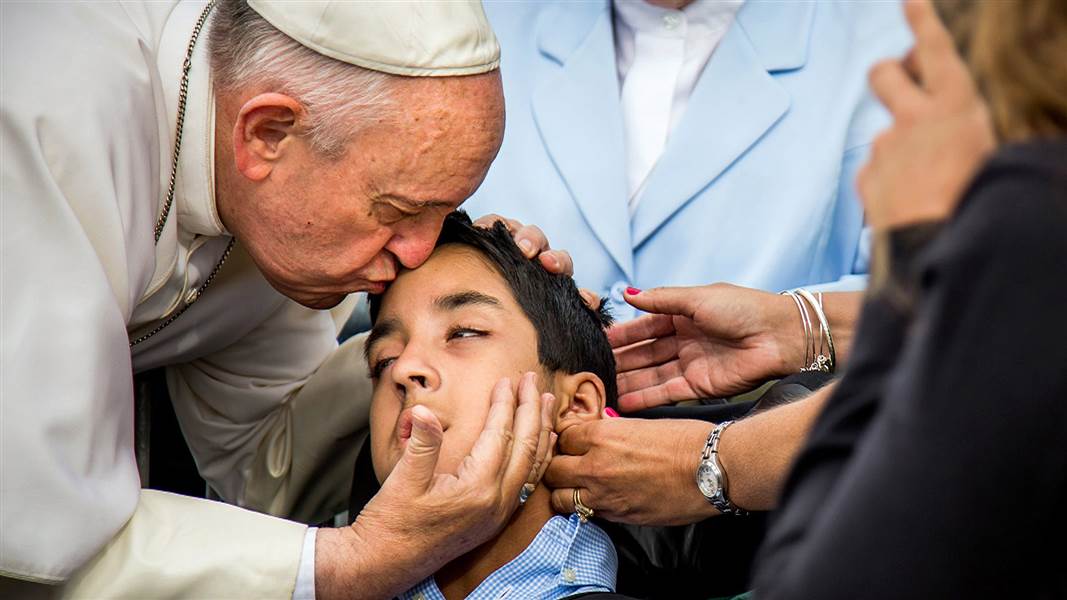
755	186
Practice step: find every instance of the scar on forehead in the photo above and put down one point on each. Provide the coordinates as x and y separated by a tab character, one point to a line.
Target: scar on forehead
454	301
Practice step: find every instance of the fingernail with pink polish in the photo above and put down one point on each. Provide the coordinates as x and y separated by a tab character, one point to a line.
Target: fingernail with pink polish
611	412
632	291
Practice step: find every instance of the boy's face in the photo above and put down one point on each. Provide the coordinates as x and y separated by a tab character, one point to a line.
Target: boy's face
446	333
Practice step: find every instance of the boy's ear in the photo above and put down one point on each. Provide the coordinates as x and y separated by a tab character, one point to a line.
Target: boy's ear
582	398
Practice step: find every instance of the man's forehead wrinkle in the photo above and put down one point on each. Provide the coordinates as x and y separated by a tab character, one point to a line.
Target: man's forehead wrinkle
381	329
466	298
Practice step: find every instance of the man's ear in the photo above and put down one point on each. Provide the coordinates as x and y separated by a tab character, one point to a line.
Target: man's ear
265	127
582	398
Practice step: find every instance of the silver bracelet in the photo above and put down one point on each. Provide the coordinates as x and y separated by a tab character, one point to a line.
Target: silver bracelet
824	362
805	322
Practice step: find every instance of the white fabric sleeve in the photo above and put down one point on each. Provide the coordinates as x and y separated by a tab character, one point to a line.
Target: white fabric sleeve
72	252
276	419
180	547
305	576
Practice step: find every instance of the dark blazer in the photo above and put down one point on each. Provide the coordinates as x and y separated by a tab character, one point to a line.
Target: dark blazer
939	467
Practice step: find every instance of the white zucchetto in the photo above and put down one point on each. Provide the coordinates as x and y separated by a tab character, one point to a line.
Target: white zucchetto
404	37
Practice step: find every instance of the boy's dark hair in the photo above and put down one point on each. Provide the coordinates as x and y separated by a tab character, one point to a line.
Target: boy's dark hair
570	335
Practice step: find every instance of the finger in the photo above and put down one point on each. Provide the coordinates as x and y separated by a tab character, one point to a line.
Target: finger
892	85
564	471
553	438
669	392
557	261
934	49
591	299
639	379
531	239
640	329
545	441
490	219
577	439
666	300
419	461
563	500
646	355
490	452
910	65
525	450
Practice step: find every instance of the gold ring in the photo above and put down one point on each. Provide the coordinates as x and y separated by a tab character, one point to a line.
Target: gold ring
584	512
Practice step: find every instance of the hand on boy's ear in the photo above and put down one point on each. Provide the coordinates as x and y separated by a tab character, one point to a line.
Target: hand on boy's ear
582	398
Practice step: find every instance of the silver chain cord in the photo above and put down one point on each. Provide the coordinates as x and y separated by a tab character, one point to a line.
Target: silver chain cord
183	96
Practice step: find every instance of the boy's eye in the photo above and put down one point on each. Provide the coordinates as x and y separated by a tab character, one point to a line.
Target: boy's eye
380	366
465	332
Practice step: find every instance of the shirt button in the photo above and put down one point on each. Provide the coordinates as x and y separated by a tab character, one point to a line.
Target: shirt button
671	21
419	596
569	575
616	292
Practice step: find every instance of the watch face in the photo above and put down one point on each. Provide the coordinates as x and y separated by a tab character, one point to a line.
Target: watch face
707	479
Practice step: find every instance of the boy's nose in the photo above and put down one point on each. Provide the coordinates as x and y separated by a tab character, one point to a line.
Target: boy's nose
413	376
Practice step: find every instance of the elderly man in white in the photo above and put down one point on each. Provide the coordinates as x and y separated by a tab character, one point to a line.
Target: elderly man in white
183	184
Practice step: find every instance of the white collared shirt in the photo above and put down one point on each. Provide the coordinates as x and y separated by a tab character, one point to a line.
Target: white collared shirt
659	54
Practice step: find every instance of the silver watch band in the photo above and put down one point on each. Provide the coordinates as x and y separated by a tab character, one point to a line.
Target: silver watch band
720	500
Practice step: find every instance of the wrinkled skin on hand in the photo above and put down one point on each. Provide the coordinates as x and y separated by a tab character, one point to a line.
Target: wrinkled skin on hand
420	519
636	471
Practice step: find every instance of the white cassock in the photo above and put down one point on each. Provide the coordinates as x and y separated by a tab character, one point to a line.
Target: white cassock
271	407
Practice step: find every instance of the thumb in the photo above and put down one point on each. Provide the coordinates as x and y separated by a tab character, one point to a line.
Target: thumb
417	465
563	501
665	300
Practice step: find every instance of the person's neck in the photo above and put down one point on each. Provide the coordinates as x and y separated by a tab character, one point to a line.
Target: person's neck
460	577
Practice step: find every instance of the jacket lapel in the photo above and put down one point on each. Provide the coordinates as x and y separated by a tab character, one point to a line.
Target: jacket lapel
735	101
576	108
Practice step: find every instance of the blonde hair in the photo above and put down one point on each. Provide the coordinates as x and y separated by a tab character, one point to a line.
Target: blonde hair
1015	50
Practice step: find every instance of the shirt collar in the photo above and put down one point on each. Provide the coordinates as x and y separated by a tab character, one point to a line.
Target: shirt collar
567	557
194	196
640	16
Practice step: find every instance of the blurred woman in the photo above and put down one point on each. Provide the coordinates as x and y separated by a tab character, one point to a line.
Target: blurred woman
939	466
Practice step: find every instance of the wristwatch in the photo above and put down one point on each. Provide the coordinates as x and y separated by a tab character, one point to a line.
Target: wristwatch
711	478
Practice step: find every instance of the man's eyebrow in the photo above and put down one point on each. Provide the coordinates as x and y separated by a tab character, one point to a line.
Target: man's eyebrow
381	329
418	204
466	298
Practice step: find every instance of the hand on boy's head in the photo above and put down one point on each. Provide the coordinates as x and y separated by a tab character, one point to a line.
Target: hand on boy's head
533	243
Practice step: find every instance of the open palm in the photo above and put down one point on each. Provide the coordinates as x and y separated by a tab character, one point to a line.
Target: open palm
710	341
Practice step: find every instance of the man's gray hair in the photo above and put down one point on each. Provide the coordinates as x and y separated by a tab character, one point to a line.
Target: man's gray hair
340	98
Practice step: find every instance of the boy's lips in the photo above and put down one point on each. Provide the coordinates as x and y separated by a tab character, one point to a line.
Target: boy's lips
403	427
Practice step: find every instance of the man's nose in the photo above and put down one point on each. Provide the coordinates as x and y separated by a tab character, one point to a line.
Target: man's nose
413	248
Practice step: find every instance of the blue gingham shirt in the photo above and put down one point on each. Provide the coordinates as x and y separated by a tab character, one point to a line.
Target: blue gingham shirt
566	558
